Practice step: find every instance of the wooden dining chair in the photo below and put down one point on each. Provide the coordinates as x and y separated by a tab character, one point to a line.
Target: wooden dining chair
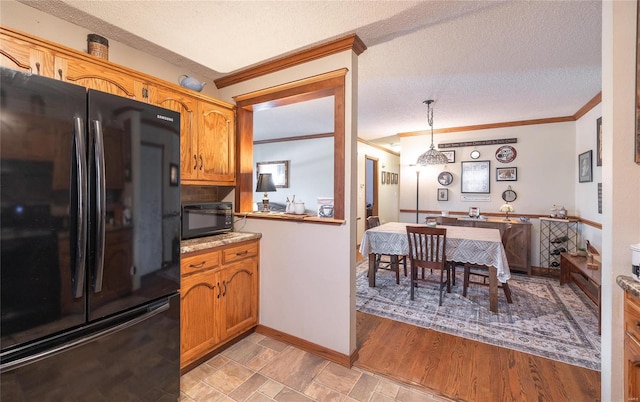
451	221
427	250
479	274
383	261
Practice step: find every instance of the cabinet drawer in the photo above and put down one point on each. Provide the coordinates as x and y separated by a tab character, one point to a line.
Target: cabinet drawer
632	316
239	252
197	262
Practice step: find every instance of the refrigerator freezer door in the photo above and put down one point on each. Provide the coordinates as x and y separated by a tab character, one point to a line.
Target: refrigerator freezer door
137	359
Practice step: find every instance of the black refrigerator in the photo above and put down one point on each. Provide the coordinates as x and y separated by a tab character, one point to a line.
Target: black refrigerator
89	273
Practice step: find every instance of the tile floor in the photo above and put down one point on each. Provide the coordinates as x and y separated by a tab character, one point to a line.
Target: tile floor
259	368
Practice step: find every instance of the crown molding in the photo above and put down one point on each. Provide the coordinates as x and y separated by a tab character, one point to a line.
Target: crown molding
349	42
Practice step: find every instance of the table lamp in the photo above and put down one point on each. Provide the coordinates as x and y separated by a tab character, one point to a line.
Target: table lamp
265	185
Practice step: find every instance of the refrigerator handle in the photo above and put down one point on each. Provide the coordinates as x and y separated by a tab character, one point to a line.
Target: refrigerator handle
100	205
81	178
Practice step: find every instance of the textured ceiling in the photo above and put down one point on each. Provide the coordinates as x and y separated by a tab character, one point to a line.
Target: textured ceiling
483	62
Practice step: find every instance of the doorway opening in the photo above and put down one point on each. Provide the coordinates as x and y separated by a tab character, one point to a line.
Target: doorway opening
371	187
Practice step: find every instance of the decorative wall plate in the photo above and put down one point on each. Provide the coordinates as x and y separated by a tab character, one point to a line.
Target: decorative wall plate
506	154
475	154
445	178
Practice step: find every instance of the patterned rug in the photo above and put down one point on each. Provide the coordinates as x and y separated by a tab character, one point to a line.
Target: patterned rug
545	319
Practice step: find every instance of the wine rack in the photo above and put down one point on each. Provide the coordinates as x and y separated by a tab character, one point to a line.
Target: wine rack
556	236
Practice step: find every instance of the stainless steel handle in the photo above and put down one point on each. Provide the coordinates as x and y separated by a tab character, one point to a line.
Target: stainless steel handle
100	205
151	312
81	230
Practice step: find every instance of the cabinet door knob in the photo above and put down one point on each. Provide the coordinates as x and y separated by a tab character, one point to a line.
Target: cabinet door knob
201	162
218	296
195	162
242	253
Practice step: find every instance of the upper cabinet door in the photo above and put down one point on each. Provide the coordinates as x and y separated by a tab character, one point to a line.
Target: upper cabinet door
186	106
96	76
18	55
216	143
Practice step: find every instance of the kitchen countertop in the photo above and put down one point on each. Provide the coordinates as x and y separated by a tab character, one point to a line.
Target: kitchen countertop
203	243
627	283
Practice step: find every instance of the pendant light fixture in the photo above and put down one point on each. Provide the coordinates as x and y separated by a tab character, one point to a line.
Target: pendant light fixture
432	156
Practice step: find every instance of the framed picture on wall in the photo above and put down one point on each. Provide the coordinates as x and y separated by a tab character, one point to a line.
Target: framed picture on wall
384	178
451	155
279	171
475	177
584	167
599	141
507	174
443	194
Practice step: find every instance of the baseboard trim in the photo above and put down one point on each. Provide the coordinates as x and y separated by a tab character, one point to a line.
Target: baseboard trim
331	355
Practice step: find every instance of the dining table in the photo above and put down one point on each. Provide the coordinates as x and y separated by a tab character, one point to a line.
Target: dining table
480	246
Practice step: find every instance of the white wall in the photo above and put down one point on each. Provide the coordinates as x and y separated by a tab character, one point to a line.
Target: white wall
24	18
620	180
388	194
546	161
307	271
310	170
586	194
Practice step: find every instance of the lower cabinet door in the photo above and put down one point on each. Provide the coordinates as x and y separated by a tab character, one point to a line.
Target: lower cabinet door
239	301
200	294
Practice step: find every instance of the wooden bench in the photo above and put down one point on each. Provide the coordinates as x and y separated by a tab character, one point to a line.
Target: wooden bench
574	269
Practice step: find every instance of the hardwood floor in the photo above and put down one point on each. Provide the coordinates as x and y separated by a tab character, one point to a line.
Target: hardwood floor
466	370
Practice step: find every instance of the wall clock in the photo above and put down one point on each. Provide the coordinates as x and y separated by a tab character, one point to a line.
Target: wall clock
445	178
509	195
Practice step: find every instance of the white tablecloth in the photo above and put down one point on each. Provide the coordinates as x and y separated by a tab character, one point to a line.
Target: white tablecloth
464	244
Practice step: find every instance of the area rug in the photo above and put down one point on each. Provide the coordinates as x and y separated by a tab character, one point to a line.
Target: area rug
545	319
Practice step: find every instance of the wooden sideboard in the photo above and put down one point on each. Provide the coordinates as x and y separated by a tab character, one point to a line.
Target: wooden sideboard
518	245
574	269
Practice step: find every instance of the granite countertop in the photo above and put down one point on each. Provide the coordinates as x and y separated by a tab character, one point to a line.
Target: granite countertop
203	243
629	284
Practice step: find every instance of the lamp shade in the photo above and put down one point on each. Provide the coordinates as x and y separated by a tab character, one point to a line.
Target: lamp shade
265	183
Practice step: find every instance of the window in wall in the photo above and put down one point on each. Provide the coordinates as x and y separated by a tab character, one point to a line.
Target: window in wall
330	85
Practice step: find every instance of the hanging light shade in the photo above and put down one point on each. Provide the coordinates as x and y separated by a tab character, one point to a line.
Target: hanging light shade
432	156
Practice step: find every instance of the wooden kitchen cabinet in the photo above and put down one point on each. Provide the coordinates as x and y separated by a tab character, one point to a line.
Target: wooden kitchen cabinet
96	76
185	105
207	137
631	346
219	298
24	56
215	144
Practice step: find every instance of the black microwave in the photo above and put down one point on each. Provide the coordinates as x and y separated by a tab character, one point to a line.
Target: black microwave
206	219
